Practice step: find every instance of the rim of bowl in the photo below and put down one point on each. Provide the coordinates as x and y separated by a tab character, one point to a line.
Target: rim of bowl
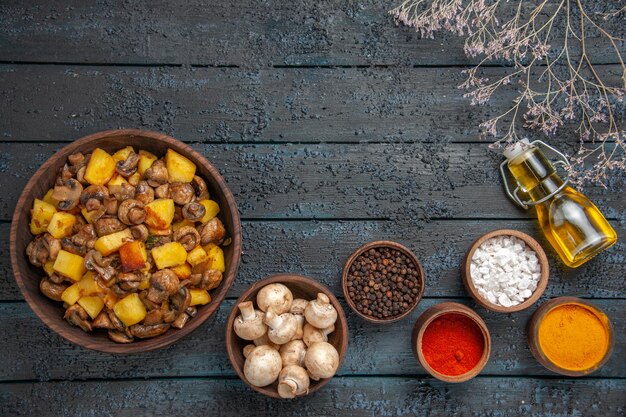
439	310
145	344
533	334
231	338
532	244
382	244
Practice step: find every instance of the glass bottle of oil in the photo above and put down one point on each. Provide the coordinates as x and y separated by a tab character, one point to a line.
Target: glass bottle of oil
570	221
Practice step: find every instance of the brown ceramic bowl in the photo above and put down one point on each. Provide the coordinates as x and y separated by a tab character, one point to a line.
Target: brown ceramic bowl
533	335
381	244
431	314
532	244
28	276
301	287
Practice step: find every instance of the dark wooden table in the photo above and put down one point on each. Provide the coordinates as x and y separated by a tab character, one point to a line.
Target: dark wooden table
333	127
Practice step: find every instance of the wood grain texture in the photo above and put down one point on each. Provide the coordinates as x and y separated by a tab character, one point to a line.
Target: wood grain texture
357	397
233	105
241	32
402	182
319	249
35	353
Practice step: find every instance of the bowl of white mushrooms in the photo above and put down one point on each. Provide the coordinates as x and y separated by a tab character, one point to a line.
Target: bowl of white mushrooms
286	336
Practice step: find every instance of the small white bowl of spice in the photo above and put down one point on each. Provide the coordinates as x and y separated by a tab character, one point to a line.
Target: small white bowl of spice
505	270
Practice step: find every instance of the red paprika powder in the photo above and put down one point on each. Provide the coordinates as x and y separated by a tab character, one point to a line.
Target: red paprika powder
453	344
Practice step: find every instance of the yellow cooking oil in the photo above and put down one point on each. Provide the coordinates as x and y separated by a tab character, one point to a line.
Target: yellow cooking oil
572	224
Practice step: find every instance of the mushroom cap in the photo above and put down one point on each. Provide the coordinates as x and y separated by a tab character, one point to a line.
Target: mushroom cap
321	360
250	329
292	353
320	312
298	306
275	296
293	380
281	328
262	366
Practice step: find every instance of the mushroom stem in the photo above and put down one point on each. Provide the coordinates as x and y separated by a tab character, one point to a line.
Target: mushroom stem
247	310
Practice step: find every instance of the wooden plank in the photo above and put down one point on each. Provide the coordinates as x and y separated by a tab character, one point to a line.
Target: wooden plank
411	183
350	105
196	32
319	250
357	397
36	353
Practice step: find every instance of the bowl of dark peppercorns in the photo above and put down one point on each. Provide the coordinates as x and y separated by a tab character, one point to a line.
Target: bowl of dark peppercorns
383	281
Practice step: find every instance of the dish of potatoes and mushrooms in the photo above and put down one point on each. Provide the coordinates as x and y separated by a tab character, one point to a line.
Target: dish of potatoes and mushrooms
129	242
289	340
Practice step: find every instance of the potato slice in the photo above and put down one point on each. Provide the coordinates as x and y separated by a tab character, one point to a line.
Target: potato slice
41	215
168	255
108	244
122	154
182	271
48	198
215	257
146	159
116	179
199	296
130	309
100	168
92	304
160	213
61	224
133	256
212	208
70	265
179	168
196	256
71	294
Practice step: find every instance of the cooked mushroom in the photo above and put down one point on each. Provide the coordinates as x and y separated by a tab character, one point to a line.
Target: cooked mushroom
200	188
163	283
52	290
181	300
110	205
128	281
76	158
131	212
181	320
162	191
56	278
213	232
80	175
67	194
93	196
127	167
122	191
193	211
143	331
115	321
156	174
119	336
42	249
102	321
139	232
181	192
187	236
144	193
207	279
94	261
77	316
153	317
81	242
108	224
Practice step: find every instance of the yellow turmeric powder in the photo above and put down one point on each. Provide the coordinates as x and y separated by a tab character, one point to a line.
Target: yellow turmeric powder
574	337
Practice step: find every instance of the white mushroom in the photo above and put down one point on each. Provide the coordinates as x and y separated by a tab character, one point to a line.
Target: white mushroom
298	305
320	312
262	366
282	328
249	325
311	334
275	296
292	353
265	341
247	349
321	360
300	327
293	380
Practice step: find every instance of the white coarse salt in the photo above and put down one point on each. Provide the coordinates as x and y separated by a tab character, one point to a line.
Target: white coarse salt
505	271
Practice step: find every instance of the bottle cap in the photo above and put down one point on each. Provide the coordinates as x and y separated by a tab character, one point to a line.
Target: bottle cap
517	148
